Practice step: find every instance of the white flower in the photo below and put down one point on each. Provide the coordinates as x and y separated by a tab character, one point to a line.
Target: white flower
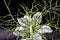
45	29
25	21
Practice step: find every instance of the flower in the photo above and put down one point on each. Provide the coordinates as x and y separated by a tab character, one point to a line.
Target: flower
26	20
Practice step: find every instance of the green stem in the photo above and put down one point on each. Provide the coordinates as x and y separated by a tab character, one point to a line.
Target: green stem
9	11
31	32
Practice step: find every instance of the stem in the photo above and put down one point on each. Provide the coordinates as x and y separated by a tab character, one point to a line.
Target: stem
31	32
9	10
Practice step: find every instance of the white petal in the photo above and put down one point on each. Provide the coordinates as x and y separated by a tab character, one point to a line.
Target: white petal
19	28
19	31
28	18
15	34
37	36
45	29
38	14
21	22
18	34
38	17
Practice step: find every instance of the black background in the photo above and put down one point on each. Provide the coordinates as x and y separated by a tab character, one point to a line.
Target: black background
14	5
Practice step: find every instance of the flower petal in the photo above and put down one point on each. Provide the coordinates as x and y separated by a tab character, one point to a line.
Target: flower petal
25	20
45	29
37	36
18	34
28	18
19	28
19	31
38	17
21	22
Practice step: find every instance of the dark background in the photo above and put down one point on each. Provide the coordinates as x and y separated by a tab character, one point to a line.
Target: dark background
14	5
